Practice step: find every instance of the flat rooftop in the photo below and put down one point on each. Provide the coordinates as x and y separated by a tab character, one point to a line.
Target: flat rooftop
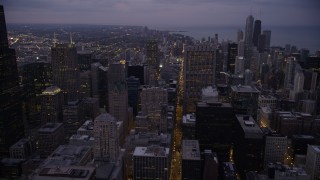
151	151
65	172
189	119
190	150
267	97
21	143
213	104
249	127
49	127
105	117
244	89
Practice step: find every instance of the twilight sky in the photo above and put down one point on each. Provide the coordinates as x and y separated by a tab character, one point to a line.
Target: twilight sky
163	13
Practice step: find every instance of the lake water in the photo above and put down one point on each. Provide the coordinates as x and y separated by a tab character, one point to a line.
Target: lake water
300	36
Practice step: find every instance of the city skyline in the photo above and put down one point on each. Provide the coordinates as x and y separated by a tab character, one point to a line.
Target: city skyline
81	101
156	13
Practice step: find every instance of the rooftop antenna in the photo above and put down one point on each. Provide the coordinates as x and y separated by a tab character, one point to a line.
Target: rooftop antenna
260	14
54	39
71	38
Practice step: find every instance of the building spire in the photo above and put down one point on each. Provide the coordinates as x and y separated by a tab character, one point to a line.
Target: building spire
71	42
54	39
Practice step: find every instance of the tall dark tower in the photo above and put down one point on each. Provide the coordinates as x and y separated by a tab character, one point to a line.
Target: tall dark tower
249	31
153	62
11	123
65	69
256	32
232	53
153	54
248	44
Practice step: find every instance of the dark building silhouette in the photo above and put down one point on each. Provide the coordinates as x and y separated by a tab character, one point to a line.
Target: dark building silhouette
267	33
65	70
219	66
153	63
300	143
118	93
244	100
138	72
153	59
133	93
51	105
50	135
34	78
214	127
210	165
261	43
84	60
99	84
313	62
232	54
191	160
199	72
248	146
11	121
256	32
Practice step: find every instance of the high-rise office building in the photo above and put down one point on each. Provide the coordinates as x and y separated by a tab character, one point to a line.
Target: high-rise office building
191	160
256	32
275	148
248	44
118	93
99	84
153	63
215	127
261	43
249	31
133	93
106	138
313	161
50	136
138	72
90	108
239	35
241	47
51	105
152	101
153	59
11	121
232	54
210	165
267	33
199	72
84	60
73	117
244	100
248	145
239	65
65	70
151	162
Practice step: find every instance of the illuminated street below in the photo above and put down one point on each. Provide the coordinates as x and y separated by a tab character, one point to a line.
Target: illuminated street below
177	132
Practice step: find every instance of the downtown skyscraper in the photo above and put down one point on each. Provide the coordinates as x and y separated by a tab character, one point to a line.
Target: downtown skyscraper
11	121
65	70
248	43
118	93
199	72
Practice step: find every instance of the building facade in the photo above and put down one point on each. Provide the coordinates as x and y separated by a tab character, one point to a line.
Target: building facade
199	72
11	121
65	70
106	138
